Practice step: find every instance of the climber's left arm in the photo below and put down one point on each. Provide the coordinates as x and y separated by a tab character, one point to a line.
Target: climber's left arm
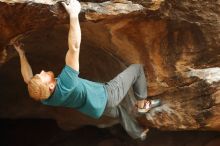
26	70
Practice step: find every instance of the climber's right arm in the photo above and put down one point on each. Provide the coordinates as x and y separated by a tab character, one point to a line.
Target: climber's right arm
74	37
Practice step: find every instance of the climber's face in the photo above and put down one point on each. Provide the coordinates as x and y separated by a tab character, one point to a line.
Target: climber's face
46	77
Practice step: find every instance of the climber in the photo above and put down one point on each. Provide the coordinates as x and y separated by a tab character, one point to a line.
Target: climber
91	98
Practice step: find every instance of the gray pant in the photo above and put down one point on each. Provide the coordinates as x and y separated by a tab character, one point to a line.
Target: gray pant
117	90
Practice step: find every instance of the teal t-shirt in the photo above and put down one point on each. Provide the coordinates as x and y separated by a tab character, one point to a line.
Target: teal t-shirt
72	91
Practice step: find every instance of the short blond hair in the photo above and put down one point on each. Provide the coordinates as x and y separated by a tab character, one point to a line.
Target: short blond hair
37	89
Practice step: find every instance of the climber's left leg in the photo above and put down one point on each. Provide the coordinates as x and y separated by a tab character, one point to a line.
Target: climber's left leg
127	121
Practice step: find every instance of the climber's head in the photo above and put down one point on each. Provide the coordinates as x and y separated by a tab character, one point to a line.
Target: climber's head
42	85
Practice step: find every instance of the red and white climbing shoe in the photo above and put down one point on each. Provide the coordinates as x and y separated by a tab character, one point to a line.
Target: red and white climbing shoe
149	105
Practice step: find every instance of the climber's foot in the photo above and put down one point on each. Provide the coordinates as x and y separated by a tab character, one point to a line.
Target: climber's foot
148	105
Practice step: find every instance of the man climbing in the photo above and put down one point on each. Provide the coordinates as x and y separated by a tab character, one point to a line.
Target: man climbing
91	98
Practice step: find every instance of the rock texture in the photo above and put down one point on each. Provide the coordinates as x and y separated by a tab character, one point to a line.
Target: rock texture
177	41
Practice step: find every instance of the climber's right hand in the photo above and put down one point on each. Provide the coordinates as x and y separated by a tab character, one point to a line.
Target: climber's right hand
73	8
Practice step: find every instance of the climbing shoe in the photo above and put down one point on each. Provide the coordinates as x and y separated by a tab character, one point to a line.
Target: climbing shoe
149	105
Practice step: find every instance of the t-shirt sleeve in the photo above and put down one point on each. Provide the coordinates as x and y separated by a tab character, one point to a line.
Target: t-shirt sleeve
68	78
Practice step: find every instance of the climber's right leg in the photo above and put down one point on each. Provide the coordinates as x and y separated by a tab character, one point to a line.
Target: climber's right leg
118	87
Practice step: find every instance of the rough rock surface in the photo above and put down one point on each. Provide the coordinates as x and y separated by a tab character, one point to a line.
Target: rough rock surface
177	41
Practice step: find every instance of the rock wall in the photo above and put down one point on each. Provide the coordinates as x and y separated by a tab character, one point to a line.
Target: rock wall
177	41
